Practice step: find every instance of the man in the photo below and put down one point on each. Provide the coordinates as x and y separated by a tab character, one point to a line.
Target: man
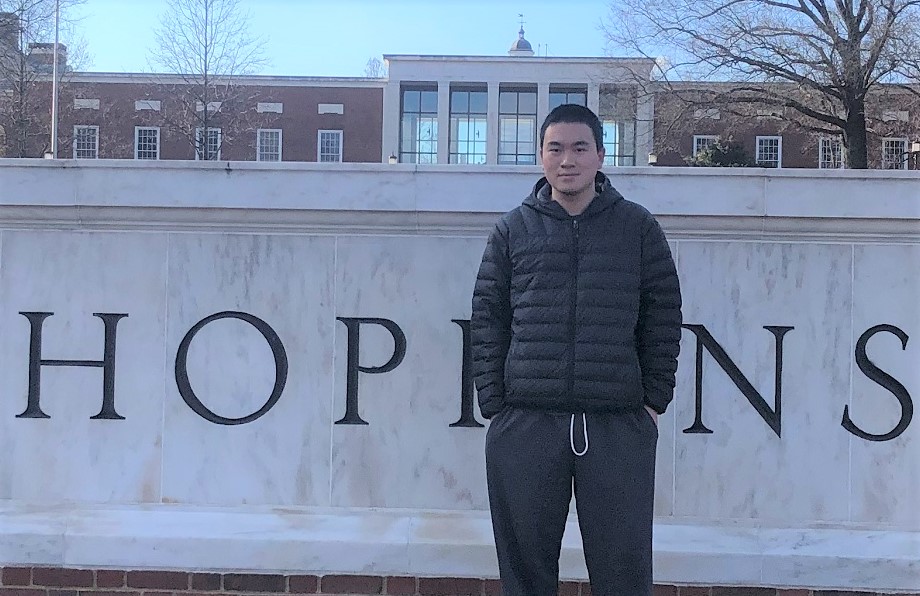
576	329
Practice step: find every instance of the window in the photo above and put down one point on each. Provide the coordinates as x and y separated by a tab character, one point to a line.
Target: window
830	153
619	143
468	110
329	146
894	154
517	126
559	96
703	142
211	150
268	144
146	142
769	152
85	142
418	139
617	111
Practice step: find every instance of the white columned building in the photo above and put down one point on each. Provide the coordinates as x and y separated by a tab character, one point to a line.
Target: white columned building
488	109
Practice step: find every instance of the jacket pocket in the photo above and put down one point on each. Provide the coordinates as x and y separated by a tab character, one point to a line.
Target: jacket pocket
644	413
508	374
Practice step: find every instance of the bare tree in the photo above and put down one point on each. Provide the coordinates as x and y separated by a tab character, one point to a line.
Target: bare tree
375	68
26	64
815	63
203	47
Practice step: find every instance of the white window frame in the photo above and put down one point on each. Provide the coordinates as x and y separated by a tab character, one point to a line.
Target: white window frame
771	113
707	113
779	150
330	108
213	106
95	149
895	116
80	103
259	144
147	104
137	147
273	107
697	141
902	155
220	141
319	145
823	147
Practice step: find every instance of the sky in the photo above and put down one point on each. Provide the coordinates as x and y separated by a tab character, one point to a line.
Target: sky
337	37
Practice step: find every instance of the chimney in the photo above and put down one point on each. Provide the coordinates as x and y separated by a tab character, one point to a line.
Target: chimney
41	57
9	32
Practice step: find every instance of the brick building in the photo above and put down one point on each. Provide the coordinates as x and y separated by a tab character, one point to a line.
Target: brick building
429	109
772	138
133	116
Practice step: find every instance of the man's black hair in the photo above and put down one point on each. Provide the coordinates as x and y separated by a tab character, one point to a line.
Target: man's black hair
573	113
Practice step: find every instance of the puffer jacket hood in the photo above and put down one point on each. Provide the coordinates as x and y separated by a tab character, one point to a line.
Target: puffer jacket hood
541	199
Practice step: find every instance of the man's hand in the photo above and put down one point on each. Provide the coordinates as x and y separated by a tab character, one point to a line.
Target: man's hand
653	414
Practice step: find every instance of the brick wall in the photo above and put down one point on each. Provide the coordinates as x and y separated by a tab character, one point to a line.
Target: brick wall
54	581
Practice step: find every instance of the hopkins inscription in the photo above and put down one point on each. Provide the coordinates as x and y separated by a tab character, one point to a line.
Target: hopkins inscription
705	342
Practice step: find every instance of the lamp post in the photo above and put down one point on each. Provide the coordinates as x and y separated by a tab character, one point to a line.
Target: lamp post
54	81
911	155
915	153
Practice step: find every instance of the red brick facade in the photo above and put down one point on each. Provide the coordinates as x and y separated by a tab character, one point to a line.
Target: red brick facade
676	124
361	121
55	581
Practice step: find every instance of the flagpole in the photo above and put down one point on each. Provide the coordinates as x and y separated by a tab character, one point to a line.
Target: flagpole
54	82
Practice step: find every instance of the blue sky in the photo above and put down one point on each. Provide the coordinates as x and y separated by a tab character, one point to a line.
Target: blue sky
336	37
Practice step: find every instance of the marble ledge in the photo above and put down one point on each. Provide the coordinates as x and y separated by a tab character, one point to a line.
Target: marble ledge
444	223
353	187
430	543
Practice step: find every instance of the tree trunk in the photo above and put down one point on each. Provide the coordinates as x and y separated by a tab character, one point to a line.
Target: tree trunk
855	133
21	124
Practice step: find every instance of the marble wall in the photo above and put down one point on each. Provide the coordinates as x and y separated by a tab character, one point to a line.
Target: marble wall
408	455
305	284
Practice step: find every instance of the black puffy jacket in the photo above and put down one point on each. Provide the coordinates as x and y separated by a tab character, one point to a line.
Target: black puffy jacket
576	313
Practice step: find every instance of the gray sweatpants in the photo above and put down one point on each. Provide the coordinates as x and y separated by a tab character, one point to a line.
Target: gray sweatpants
531	466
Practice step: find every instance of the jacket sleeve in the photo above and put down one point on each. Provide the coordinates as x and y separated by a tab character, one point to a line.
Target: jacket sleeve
490	324
659	325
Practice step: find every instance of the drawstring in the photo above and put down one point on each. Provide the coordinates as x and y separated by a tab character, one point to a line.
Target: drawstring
584	423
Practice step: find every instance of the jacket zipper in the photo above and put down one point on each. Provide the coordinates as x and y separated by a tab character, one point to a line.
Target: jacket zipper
573	299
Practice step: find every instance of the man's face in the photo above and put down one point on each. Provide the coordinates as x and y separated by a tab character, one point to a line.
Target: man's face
571	160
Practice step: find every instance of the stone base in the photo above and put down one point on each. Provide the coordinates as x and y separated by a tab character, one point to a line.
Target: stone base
428	545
